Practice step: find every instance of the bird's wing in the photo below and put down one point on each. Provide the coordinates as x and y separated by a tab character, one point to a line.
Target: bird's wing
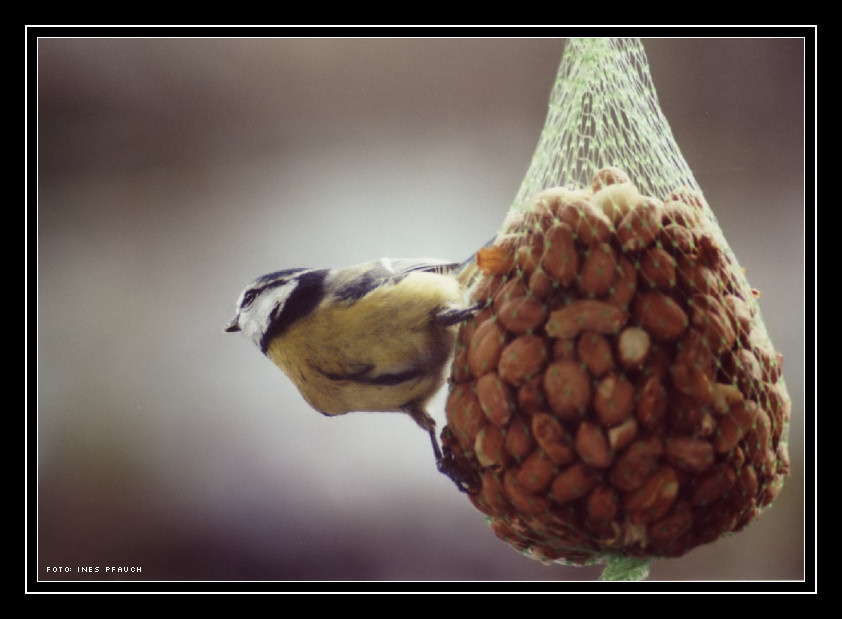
427	265
354	283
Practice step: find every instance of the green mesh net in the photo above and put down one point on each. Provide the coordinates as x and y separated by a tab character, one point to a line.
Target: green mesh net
617	398
603	112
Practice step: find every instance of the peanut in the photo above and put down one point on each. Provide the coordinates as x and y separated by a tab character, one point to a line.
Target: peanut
466	335
592	446
621	435
743	365
782	454
633	346
665	533
495	398
728	434
660	315
694	276
677	238
688	453
692	381
681	214
654	498
540	284
725	396
745	487
460	371
556	198
488	447
657	269
616	200
608	176
513	288
685	414
585	315
568	389
464	415
737	458
634	465
486	289
697	350
739	312
523	358
535	473
522	314
778	406
573	482
694	367
708	315
530	396
746	514
519	443
524	502
769	491
613	399
602	506
625	285
553	439
652	403
564	348
769	360
588	223
561	258
659	362
529	253
598	271
710	252
491	498
758	443
594	350
486	348
713	485
639	227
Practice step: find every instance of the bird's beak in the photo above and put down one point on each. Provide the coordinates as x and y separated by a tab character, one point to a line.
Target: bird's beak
233	326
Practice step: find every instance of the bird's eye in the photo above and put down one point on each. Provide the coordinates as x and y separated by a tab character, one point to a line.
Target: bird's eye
248	298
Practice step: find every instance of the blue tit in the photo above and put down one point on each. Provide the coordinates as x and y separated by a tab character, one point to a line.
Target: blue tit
372	337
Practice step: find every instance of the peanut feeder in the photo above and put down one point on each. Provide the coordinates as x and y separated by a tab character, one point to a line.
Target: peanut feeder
617	396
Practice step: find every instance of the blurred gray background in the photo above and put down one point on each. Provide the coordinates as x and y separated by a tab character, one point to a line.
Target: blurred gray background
173	171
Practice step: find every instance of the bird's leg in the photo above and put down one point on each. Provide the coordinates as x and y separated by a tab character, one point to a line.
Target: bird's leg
466	480
426	422
453	315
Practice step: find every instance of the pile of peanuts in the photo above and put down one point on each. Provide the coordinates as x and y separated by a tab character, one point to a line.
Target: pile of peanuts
617	394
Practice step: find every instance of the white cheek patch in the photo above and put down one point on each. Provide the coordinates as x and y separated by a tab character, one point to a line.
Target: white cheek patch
255	320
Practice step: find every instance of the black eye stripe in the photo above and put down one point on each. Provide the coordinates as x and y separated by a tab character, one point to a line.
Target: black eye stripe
307	294
267	282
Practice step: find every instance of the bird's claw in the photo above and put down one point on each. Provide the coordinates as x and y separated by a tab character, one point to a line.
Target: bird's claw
458	470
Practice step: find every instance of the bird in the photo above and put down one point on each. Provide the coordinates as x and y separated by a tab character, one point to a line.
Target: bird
372	337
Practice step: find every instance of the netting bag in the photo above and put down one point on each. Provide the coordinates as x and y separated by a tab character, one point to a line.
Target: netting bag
617	398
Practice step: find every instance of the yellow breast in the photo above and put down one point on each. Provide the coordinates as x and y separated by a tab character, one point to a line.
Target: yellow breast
341	356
